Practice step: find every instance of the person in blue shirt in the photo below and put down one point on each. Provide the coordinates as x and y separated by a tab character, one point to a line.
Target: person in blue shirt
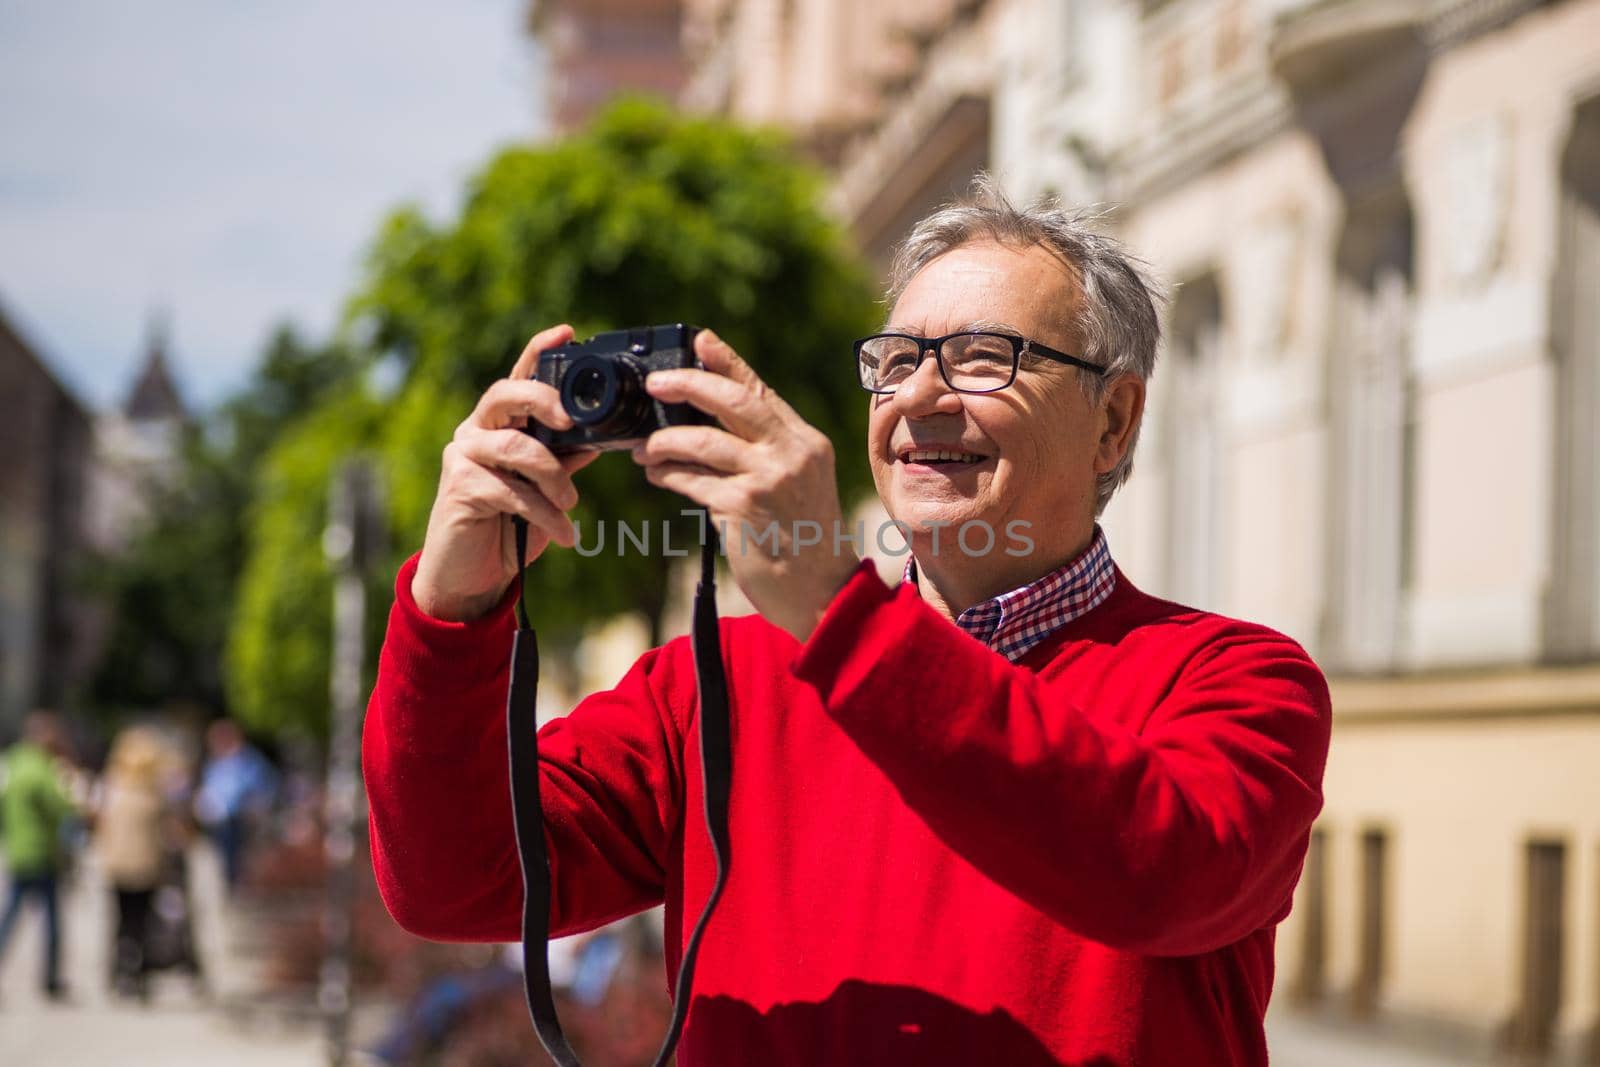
237	788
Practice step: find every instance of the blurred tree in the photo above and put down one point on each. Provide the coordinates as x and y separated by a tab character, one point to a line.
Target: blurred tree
291	378
649	216
282	625
171	590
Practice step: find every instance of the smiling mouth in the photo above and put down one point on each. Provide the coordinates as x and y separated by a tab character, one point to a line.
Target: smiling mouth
939	457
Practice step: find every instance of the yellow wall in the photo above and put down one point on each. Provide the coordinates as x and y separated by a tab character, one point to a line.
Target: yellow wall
1461	799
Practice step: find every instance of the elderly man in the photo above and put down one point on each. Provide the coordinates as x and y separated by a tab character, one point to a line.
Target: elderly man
1012	810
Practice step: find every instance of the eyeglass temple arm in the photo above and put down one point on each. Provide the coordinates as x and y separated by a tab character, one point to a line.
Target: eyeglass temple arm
1029	345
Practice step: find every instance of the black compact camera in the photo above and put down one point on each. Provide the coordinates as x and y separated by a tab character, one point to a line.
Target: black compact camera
601	382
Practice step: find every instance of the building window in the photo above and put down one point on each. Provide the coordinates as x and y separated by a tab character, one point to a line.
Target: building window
1312	978
1543	936
1371	951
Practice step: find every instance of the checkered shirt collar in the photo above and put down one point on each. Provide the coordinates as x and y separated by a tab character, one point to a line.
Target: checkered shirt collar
1013	623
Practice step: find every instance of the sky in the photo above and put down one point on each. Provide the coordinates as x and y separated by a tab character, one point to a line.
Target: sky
227	164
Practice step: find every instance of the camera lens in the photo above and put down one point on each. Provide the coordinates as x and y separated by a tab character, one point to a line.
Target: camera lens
605	395
588	389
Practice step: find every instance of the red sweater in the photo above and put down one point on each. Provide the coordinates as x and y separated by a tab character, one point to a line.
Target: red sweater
939	857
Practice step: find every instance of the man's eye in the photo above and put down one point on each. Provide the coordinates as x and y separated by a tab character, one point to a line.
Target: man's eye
979	350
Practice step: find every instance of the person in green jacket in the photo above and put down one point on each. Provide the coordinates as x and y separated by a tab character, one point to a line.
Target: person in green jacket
34	802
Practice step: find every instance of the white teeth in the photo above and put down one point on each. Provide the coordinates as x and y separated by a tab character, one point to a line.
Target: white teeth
924	455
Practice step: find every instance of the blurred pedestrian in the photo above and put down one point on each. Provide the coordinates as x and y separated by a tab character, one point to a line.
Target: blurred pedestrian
34	806
134	834
237	788
442	1006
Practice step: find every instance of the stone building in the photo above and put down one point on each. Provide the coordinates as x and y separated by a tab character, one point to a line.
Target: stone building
46	454
895	96
596	49
1373	425
74	485
1374	429
136	447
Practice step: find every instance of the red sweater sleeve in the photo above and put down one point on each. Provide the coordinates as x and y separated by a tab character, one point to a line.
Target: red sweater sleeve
435	760
1175	839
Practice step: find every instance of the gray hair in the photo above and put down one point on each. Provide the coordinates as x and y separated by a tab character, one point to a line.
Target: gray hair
1117	323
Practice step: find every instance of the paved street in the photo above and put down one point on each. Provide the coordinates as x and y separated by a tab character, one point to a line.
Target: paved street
175	1030
1297	1042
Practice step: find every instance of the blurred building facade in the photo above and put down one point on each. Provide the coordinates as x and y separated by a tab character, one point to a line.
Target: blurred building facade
137	446
596	49
1374	423
1374	429
74	484
47	445
896	97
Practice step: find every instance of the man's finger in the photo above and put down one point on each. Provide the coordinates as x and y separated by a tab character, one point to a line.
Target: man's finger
510	497
542	341
512	451
511	400
707	446
704	487
718	356
734	404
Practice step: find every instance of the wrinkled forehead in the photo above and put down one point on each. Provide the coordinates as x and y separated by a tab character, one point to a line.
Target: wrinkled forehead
1029	291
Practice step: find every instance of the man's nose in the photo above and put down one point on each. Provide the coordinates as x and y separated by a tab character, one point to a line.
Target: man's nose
925	391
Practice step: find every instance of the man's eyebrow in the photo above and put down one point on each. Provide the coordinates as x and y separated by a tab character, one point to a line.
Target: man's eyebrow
991	324
977	324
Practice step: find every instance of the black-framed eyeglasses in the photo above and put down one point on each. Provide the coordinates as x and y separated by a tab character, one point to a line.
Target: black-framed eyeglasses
973	361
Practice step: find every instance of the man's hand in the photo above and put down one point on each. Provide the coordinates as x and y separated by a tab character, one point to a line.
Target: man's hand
491	471
765	470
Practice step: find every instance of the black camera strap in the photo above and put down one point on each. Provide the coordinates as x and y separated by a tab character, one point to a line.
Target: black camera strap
716	760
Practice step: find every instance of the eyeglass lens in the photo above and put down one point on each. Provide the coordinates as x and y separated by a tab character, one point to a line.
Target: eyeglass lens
973	362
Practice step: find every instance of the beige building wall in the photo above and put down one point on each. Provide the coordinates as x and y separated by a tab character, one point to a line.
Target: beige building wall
1483	152
892	96
1269	402
1461	774
1502	755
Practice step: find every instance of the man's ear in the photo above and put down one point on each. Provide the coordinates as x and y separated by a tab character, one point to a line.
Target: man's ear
1120	414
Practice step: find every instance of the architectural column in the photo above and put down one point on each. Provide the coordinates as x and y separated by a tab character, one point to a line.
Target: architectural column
1371	458
1355	73
1196	445
1572	602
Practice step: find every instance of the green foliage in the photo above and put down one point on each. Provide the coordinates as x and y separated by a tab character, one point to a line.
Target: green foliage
291	377
649	217
277	652
170	592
